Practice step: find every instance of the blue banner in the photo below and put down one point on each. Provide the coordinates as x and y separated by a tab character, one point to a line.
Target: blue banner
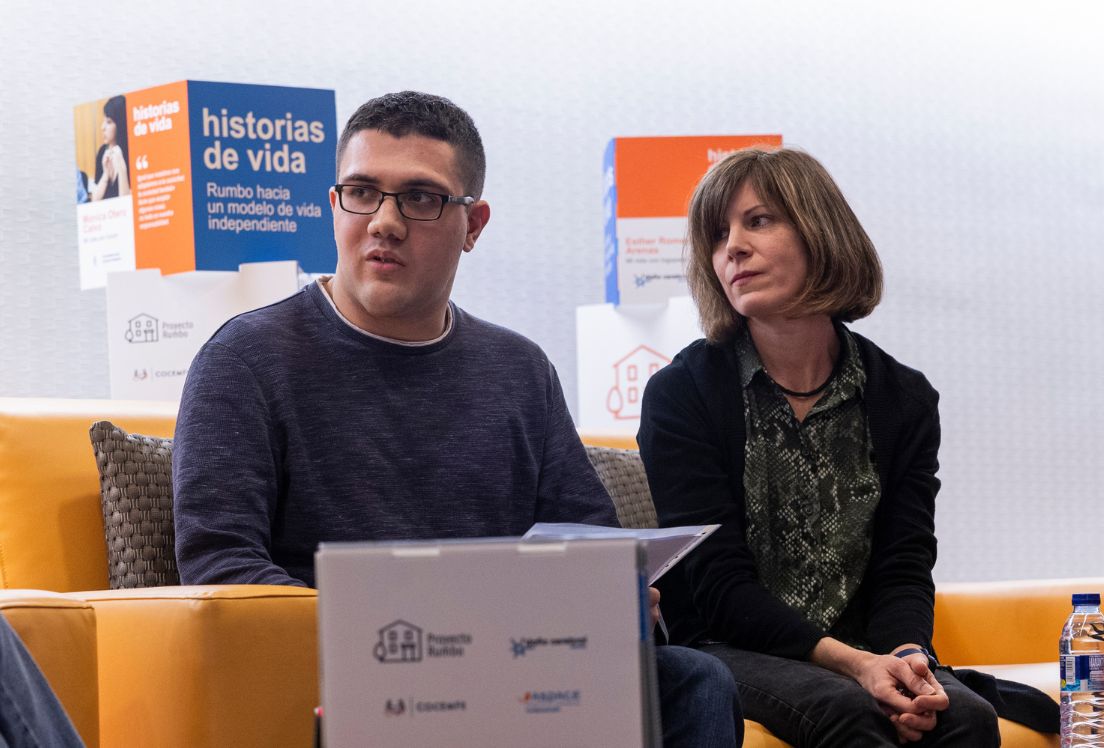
262	162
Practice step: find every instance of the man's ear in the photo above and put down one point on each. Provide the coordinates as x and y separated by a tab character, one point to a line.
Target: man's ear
478	216
333	200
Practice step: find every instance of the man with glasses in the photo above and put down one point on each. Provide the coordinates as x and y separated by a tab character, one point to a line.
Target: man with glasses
370	407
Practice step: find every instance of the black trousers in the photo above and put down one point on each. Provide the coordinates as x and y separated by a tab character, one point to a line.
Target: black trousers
811	707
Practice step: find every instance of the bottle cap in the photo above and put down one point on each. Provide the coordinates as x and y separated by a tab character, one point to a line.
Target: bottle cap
1087	598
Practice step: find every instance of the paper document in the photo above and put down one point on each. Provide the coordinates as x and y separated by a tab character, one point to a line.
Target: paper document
664	546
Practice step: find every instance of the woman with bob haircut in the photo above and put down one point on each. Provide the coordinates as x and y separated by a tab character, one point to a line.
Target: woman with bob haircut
112	179
816	452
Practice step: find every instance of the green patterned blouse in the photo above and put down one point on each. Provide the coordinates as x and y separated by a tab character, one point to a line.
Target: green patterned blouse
811	487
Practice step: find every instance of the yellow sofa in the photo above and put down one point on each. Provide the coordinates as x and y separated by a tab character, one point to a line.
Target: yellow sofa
177	666
237	665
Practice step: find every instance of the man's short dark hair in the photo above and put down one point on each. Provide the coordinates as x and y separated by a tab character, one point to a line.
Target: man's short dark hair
416	113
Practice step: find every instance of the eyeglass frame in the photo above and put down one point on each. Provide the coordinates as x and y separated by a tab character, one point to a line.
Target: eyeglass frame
445	200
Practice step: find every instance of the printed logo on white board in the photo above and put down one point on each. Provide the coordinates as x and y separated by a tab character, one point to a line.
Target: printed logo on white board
399	641
142	328
630	374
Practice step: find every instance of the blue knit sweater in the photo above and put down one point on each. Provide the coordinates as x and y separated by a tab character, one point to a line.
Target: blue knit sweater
295	428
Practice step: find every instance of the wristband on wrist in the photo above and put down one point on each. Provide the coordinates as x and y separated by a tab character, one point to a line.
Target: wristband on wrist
932	662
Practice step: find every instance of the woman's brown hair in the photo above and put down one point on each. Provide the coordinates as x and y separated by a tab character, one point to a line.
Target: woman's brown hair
845	275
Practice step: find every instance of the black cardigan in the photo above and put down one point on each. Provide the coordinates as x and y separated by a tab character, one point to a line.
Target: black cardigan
692	437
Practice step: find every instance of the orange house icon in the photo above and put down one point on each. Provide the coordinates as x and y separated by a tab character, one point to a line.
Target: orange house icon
630	374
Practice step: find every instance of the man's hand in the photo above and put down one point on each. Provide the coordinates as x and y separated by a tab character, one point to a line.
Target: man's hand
653	602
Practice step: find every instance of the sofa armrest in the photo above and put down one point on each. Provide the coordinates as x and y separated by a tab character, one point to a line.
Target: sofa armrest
60	635
207	665
998	623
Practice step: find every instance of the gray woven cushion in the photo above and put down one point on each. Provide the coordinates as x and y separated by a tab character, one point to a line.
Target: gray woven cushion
622	473
136	494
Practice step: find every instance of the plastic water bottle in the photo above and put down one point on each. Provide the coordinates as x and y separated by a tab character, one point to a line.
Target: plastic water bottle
1081	656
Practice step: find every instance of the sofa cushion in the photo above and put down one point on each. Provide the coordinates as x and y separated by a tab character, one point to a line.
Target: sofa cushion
136	496
622	473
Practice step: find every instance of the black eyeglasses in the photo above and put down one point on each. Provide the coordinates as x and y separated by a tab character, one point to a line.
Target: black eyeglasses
417	205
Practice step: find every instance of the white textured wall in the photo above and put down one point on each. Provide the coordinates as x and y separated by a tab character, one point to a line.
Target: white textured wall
969	141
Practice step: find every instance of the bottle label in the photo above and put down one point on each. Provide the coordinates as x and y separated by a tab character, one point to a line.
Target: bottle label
1082	672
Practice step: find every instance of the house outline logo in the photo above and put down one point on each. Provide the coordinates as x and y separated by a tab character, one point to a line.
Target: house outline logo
399	641
630	373
142	328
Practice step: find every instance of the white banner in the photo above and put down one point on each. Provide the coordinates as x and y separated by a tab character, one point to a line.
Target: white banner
650	259
619	349
156	325
105	240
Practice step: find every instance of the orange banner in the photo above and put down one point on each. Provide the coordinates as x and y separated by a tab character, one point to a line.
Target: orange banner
160	167
655	177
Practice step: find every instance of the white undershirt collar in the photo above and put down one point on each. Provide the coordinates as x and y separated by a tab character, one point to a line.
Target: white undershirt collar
324	284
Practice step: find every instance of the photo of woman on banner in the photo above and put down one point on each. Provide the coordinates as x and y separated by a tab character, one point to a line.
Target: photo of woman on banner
112	179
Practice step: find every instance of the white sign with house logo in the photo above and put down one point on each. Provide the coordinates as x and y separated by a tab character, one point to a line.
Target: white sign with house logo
486	643
156	324
619	349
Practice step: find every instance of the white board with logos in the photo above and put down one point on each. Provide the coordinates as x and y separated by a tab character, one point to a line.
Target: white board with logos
156	324
485	642
619	349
